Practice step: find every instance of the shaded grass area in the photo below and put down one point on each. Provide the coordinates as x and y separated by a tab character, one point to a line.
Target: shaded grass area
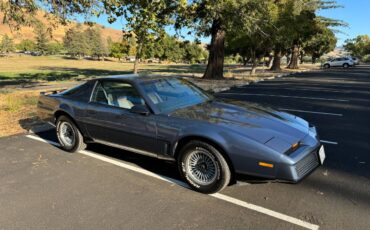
26	70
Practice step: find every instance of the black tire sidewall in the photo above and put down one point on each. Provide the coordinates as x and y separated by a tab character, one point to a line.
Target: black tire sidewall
73	148
346	66
221	177
327	66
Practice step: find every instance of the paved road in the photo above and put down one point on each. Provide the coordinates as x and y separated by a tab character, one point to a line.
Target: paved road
43	187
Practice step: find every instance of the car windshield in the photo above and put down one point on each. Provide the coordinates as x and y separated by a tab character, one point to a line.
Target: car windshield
170	94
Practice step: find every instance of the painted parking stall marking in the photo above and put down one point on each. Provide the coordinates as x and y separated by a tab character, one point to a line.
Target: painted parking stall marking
218	196
262	87
285	96
329	142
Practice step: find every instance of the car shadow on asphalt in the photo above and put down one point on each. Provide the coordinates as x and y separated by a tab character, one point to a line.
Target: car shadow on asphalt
161	167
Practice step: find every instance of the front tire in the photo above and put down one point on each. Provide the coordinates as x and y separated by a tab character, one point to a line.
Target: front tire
69	136
345	65
327	66
204	167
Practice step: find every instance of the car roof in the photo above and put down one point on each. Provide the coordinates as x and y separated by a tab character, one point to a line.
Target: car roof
134	77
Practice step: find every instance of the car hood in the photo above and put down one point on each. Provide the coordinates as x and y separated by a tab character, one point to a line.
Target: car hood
262	124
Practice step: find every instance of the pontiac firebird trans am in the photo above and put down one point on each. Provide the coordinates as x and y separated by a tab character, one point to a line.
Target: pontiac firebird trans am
210	139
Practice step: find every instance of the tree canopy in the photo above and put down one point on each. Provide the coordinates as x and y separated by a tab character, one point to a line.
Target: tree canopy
250	28
359	47
6	44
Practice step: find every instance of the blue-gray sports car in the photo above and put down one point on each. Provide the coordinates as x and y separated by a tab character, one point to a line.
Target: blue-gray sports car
210	139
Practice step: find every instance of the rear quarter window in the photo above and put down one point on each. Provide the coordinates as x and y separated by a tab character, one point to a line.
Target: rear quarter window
81	92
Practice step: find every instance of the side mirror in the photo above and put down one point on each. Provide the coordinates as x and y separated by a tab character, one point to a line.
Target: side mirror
140	109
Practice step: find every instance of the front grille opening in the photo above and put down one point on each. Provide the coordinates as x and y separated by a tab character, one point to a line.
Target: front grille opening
306	165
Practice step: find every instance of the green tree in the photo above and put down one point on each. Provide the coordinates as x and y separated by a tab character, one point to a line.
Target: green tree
169	48
42	38
193	52
109	43
294	23
359	46
145	19
96	47
75	42
119	49
215	19
251	47
132	45
322	43
24	12
53	48
26	45
6	44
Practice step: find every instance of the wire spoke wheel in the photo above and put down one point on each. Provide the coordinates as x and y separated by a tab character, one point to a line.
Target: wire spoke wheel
201	167
67	134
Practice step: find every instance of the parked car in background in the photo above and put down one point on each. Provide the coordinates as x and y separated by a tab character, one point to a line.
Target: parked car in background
210	139
130	58
153	60
344	62
356	61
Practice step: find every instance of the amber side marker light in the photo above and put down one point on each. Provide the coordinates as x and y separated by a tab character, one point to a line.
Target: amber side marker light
264	164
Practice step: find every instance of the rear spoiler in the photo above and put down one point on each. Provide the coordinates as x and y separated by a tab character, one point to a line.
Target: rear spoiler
50	92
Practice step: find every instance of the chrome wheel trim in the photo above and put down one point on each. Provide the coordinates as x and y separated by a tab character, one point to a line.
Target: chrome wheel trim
66	134
201	167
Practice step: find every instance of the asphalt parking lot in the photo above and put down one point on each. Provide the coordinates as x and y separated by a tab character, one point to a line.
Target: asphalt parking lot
43	187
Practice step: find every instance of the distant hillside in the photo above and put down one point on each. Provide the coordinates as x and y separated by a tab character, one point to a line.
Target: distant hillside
58	33
337	52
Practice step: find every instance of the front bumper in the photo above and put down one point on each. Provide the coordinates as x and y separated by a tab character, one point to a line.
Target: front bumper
302	168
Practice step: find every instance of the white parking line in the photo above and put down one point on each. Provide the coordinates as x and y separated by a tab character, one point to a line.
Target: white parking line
291	89
219	196
329	142
313	112
285	96
43	140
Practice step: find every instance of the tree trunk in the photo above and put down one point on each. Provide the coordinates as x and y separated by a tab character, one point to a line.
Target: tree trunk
254	63
137	58
215	66
245	61
295	57
276	64
136	65
313	59
301	57
270	61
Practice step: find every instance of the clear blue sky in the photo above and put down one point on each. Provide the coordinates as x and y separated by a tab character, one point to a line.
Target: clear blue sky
354	12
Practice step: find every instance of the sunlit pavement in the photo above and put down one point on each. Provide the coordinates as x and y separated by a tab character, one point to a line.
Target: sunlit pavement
43	187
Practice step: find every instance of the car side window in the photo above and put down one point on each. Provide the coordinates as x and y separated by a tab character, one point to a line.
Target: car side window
117	94
99	94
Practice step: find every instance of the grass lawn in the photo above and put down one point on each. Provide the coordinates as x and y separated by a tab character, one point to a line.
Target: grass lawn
20	69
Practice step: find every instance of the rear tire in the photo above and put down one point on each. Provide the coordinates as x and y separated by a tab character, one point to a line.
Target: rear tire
69	136
203	167
345	65
327	66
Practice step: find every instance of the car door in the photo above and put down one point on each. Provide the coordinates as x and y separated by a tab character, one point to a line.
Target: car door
110	121
335	62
